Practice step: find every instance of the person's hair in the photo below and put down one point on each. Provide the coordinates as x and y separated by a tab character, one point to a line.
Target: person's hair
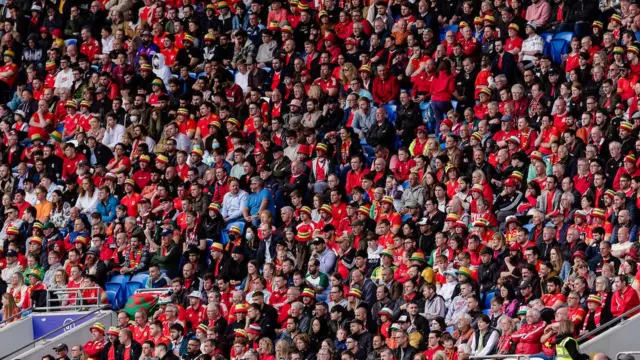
566	328
11	308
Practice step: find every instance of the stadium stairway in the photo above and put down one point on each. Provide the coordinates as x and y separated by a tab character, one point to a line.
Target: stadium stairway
611	339
34	336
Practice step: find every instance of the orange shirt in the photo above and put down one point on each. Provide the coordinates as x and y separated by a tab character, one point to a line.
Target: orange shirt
170	55
187	125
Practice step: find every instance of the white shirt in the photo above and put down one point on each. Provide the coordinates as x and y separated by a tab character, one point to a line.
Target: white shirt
107	44
64	79
87	204
242	80
182	142
534	43
112	136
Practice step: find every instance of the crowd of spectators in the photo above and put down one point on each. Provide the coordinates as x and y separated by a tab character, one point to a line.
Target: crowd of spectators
325	179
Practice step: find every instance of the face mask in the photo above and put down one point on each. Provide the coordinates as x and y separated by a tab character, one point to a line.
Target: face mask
215	145
156	62
248	236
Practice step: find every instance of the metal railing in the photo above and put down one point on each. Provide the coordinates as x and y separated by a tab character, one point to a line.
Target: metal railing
77	300
609	324
45	336
512	356
14	316
626	353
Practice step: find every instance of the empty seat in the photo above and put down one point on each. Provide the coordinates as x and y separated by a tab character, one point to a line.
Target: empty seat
565	35
546	37
131	288
141	278
112	297
558	48
487	300
453	28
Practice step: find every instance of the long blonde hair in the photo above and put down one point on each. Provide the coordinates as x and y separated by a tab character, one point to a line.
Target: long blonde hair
348	72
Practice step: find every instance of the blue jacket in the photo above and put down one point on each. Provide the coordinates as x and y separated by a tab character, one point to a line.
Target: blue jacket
108	211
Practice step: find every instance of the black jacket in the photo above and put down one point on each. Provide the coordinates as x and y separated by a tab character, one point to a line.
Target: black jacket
488	275
508	66
384	134
262	250
102	153
135	350
408	118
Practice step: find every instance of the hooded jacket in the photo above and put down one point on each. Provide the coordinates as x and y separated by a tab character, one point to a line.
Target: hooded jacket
160	69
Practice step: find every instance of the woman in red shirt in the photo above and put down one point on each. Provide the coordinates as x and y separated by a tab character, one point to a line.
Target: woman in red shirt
442	88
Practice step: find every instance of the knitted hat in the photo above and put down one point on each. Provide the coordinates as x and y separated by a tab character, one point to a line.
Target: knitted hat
240	333
618	50
616	18
240	308
486	91
188	38
387	200
308	292
452	217
56	136
513	140
630	158
386	312
355	292
197	151
71	104
625	125
477	20
481	223
183	111
36	240
490	19
81	240
597	213
326	208
464	271
512	219
234	229
477	136
610	193
145	67
254	329
514	26
477	188
418	256
321	147
517	175
365	210
597	24
632	49
9	53
38	225
97	326
233	121
130	182
594	299
113	331
387	253
12	230
51	65
217	247
162	159
305	210
536	155
144	158
365	68
215	207
203	327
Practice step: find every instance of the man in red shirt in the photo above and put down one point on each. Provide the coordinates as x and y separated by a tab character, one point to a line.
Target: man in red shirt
196	313
386	88
131	199
93	348
155	334
624	298
327	82
71	161
433	343
90	46
141	330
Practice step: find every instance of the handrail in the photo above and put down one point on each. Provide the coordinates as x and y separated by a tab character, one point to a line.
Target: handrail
626	353
77	299
608	324
15	315
525	357
105	307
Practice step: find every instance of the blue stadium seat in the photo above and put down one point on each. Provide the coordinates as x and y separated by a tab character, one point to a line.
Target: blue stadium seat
637	33
112	297
192	75
442	36
486	312
453	28
70	42
547	37
118	289
565	35
487	300
120	279
425	105
405	185
141	278
131	288
391	113
454	103
558	48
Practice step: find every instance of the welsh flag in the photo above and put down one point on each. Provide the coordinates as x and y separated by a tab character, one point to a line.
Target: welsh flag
145	300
